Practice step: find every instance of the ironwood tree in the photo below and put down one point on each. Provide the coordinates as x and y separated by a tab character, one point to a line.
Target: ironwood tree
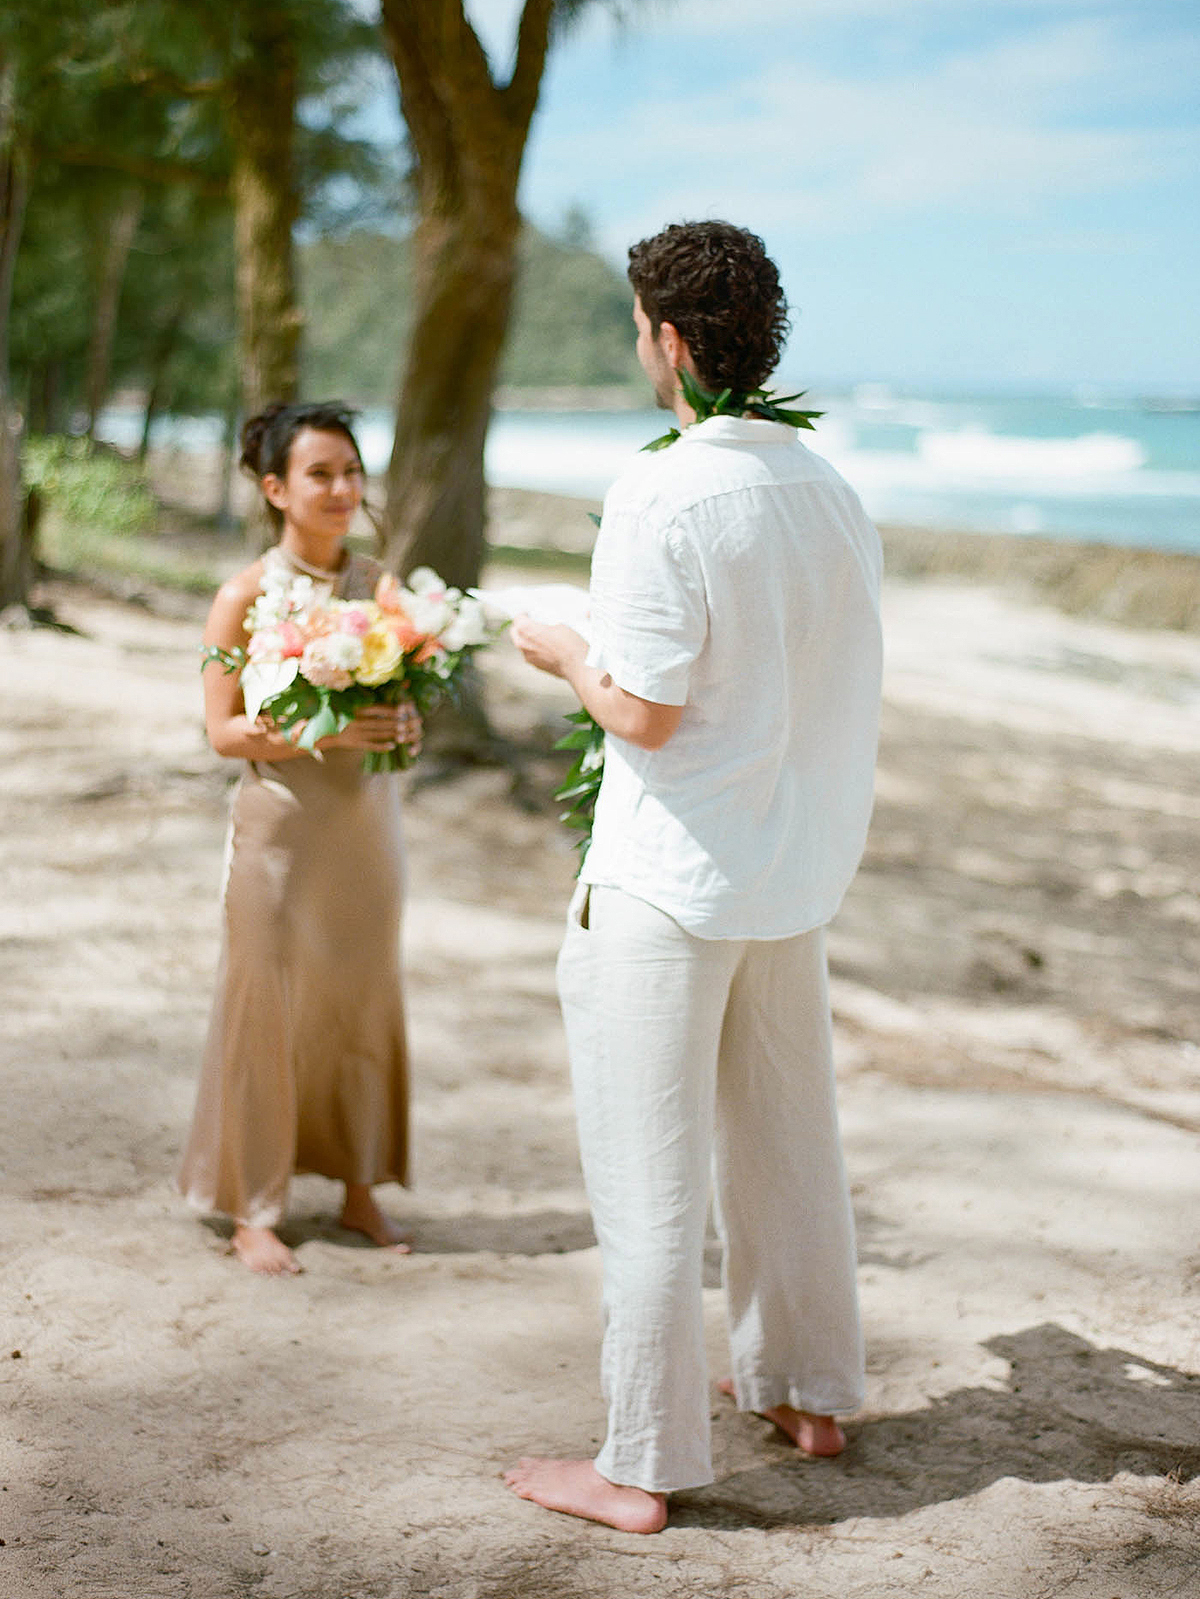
467	131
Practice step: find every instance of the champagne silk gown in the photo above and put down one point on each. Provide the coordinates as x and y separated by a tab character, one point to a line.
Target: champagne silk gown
305	1067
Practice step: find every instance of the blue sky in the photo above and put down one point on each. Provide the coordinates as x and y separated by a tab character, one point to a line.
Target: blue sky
959	193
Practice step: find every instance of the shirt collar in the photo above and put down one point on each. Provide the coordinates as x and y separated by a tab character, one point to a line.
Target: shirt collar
738	430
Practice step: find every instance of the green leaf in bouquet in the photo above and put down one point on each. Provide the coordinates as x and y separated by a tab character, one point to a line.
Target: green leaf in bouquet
322	725
229	660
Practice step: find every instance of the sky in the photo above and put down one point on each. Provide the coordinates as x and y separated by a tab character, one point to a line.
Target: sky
961	195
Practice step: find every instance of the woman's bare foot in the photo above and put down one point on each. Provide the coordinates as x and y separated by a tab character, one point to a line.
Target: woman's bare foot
576	1488
361	1214
811	1434
264	1251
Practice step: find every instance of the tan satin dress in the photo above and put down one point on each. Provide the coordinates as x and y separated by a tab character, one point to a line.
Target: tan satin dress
305	1068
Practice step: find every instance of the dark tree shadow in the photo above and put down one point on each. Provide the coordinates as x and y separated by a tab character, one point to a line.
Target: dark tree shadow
543	1232
1070	1411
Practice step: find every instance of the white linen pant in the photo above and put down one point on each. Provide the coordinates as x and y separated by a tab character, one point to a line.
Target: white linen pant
693	1055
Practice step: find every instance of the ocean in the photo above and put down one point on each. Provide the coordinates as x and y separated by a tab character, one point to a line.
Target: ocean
1080	467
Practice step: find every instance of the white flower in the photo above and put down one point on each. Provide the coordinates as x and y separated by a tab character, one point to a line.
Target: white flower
424	580
262	680
282	596
429	610
469	627
329	661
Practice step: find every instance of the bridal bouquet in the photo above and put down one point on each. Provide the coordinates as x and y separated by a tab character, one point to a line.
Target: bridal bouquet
312	662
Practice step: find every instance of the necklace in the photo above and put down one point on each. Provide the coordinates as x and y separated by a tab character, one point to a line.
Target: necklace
323	574
729	402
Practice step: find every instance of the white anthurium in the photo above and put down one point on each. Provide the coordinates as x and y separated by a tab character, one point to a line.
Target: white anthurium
262	680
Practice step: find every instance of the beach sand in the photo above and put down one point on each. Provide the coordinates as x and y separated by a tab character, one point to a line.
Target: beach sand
1015	994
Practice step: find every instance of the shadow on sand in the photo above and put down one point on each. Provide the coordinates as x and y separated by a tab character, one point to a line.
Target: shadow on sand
1070	1411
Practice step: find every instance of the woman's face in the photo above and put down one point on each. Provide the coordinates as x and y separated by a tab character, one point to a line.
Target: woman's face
323	485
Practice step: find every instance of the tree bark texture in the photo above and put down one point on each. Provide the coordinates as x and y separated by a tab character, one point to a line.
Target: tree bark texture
468	137
262	94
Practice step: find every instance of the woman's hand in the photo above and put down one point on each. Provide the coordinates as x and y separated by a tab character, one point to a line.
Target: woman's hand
379	727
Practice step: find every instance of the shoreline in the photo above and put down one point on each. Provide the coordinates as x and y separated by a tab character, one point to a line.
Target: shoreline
1127	584
1130	585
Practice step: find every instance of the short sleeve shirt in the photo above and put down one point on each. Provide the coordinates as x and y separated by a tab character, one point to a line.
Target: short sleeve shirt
736	575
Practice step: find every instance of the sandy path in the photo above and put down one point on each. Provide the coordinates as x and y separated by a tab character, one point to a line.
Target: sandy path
1016	998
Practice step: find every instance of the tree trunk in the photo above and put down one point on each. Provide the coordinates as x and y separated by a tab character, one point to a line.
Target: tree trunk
44	398
114	259
262	114
468	137
223	512
160	360
16	563
463	279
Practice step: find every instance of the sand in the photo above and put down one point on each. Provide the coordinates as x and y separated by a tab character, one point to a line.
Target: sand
1015	989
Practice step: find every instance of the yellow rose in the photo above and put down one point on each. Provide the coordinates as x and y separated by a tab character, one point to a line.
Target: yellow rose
380	657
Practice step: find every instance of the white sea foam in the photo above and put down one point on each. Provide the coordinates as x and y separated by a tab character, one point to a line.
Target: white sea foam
976	453
928	462
968	461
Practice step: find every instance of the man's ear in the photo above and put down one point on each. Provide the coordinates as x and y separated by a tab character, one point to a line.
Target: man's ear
673	345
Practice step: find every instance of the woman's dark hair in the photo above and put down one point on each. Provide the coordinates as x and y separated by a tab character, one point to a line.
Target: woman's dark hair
267	438
718	287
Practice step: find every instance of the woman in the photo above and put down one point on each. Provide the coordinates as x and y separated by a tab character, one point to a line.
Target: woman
305	1065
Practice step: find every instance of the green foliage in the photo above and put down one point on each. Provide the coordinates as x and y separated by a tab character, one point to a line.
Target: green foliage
571	324
138	91
90	488
177	331
580	787
357	307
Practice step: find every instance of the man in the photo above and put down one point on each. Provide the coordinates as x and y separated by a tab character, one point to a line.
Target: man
734	665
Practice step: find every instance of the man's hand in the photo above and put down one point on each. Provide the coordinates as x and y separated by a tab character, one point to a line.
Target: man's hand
562	652
556	649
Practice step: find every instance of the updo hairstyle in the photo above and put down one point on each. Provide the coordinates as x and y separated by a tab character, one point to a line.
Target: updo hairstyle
267	438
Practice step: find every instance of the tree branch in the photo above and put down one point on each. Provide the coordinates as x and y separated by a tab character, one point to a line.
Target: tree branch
411	39
533	41
149	169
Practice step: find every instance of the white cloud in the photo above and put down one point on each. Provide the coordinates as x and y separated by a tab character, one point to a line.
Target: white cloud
1009	128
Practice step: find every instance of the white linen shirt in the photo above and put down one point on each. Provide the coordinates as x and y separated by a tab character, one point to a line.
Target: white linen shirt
736	574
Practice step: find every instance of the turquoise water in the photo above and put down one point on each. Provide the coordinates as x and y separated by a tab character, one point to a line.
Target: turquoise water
1073	467
1119	473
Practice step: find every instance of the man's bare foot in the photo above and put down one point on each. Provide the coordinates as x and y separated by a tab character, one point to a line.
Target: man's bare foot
264	1251
811	1434
361	1214
577	1489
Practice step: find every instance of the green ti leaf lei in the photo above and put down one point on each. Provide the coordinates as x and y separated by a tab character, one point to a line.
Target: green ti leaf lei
581	786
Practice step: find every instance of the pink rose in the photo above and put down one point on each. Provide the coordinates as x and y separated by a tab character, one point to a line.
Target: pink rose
277	643
354	620
329	661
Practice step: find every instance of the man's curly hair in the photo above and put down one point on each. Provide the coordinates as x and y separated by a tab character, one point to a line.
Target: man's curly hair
719	288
